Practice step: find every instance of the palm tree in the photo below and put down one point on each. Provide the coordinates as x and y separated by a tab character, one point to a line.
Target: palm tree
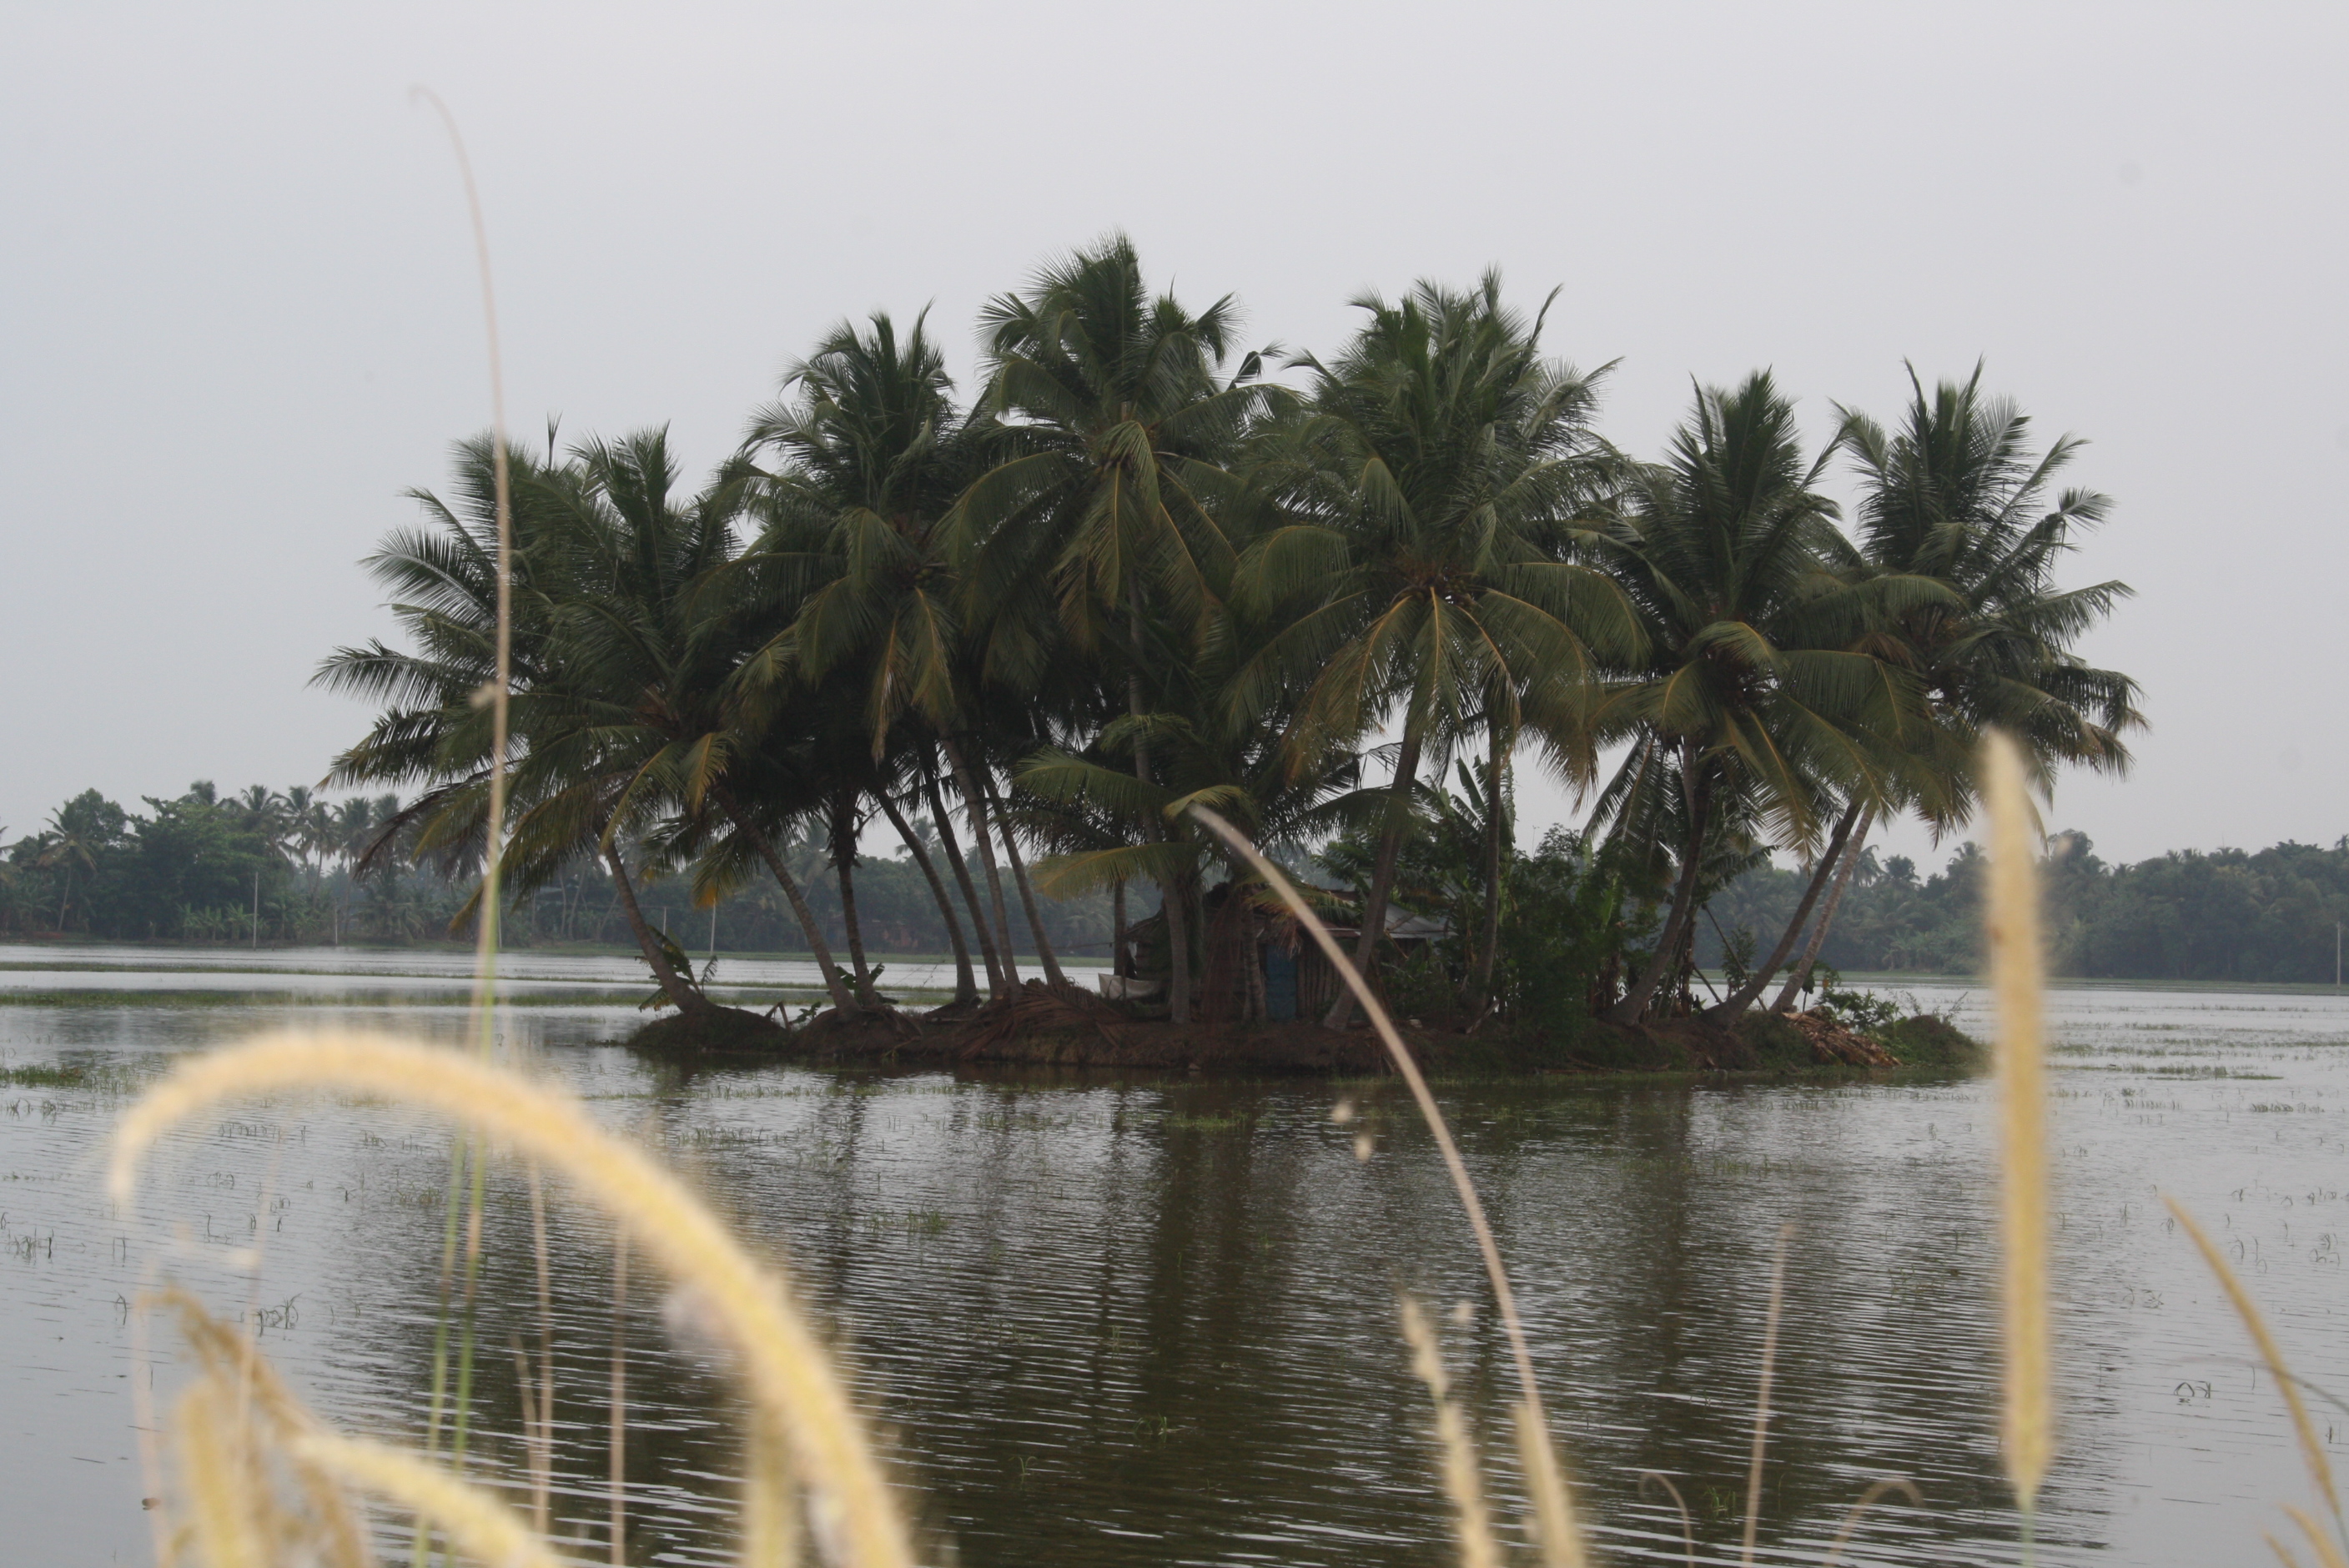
1760	705
870	462
75	836
658	622
568	781
1111	425
1435	476
1958	496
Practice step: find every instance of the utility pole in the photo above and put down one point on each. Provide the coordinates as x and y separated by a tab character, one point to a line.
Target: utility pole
256	914
2336	955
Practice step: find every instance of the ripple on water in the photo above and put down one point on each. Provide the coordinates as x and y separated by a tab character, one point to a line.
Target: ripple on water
1119	1323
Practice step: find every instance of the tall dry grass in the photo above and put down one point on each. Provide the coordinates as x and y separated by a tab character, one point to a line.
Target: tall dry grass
2011	913
792	1386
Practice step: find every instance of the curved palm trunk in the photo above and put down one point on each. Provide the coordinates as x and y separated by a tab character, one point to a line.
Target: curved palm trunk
66	901
976	803
995	986
965	984
1476	995
1801	971
1763	972
817	948
1053	975
1676	924
682	993
843	865
1374	906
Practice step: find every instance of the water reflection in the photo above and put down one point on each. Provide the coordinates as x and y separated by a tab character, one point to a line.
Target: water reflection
1127	1322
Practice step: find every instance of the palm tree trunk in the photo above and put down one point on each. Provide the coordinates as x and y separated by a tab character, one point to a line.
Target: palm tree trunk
686	998
996	983
977	805
1053	975
1760	979
1668	943
1374	906
1801	973
843	866
1477	995
965	984
1170	902
65	902
821	950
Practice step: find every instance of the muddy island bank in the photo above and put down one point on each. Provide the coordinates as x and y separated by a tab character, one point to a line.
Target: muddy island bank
1064	1027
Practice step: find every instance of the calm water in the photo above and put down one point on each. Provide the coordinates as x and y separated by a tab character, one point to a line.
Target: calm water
1113	1323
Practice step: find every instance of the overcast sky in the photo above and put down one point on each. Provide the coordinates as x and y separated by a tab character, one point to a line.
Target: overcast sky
240	313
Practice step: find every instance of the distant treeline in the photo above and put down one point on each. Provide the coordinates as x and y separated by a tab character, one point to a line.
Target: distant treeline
203	867
186	869
2223	914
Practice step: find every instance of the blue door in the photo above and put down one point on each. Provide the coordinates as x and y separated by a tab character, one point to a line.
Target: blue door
1279	983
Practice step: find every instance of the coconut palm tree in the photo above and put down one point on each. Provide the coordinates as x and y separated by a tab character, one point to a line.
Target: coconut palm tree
658	618
567	780
1761	706
79	830
1431	481
1110	424
865	459
1956	494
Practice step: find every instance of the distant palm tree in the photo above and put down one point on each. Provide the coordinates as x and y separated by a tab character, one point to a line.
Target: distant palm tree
853	548
1434	478
651	632
565	785
1093	530
1957	495
69	845
1762	705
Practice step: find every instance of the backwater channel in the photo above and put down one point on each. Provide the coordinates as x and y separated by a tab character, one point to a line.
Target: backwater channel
1123	1322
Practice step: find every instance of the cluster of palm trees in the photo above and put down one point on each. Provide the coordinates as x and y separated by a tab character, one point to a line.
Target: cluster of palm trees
1146	568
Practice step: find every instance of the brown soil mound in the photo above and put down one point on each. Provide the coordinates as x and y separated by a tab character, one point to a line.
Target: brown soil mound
1065	1028
1834	1045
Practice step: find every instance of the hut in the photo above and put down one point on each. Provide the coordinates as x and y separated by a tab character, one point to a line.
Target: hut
1254	961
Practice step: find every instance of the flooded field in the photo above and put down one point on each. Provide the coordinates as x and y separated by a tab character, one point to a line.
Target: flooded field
1137	1322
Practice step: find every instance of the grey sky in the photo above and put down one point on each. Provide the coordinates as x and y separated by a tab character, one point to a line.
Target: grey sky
239	314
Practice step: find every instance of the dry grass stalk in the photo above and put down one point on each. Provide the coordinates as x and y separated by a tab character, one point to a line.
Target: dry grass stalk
771	1525
210	1435
268	1414
1562	1545
2027	1425
1556	1532
1473	1529
473	1521
789	1375
1688	1521
2320	1468
617	1478
1762	1395
495	694
1867	1500
2327	1553
542	1478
